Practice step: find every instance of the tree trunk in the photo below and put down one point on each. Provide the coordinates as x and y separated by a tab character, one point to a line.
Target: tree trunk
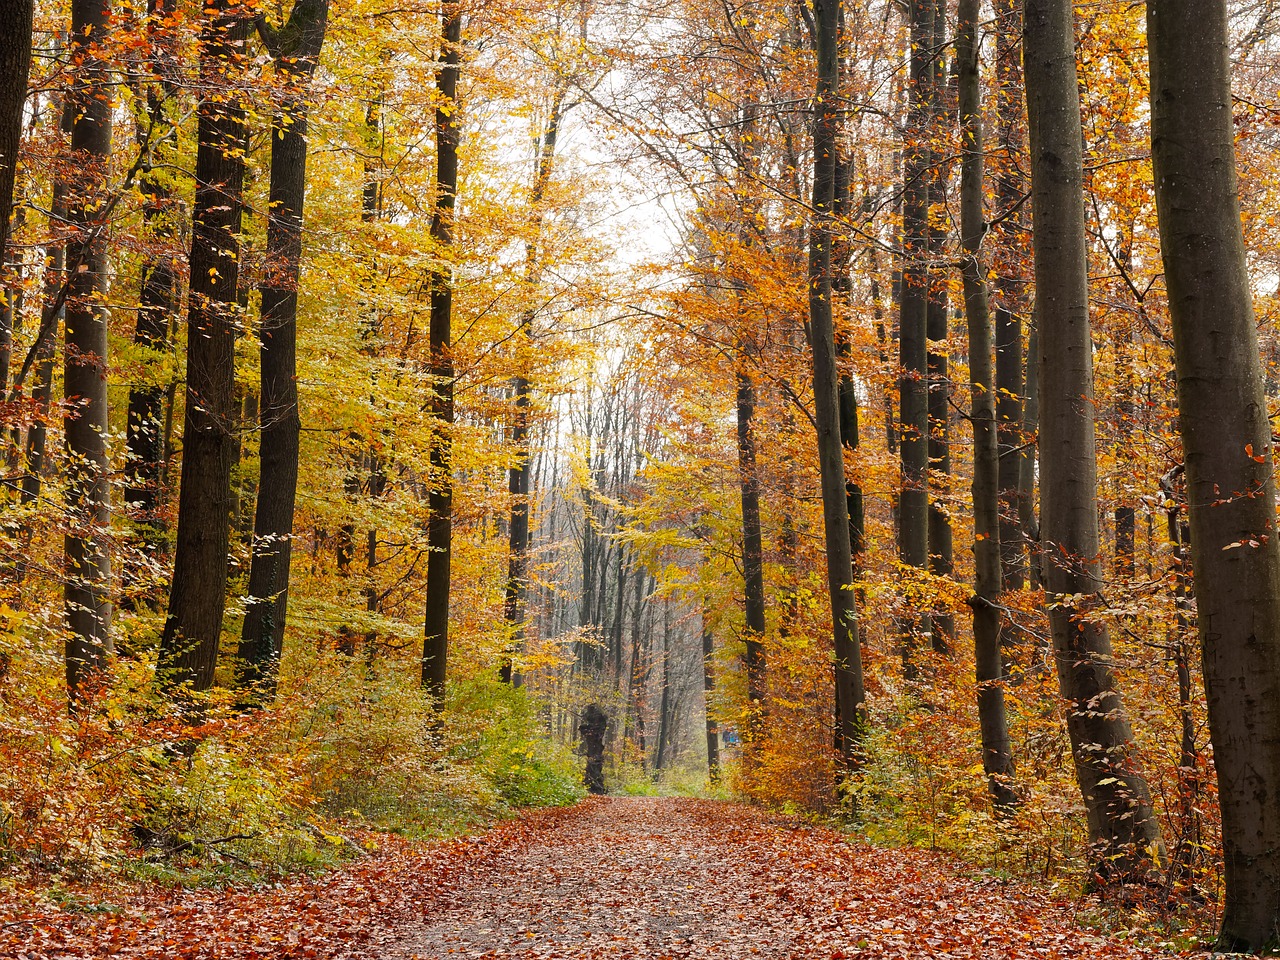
296	50
1028	459
15	64
189	645
1010	237
752	561
157	307
937	326
1122	826
42	388
1226	436
708	689
849	695
435	644
518	475
88	563
997	755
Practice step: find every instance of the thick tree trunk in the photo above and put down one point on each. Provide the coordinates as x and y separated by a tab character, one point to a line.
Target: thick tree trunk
1226	436
1010	238
435	644
189	645
849	694
88	563
1122	826
296	50
15	64
997	755
752	560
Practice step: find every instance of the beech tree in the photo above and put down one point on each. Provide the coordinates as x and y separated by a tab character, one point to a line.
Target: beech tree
1117	800
1227	443
87	597
435	644
197	600
850	696
295	48
15	63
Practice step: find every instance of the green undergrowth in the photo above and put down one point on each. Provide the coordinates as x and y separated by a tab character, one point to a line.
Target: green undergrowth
348	751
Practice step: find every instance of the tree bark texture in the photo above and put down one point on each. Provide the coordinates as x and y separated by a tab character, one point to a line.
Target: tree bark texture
850	696
435	644
297	50
189	645
1010	237
752	559
15	64
1123	829
1227	443
88	492
997	755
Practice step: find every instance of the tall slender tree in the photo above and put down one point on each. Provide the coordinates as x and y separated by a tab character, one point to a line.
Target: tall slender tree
1122	826
197	600
1227	443
850	695
88	573
295	48
997	755
435	644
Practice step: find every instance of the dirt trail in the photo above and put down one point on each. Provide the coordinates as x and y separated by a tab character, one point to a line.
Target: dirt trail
658	878
643	878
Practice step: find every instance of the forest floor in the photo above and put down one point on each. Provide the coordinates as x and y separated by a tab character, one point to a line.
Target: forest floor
643	878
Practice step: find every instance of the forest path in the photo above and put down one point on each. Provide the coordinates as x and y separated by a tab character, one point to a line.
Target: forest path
643	878
674	878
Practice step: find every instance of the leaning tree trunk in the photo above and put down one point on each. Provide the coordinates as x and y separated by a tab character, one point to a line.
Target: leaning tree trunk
1124	831
296	49
435	643
197	600
997	756
15	64
1227	442
850	697
88	563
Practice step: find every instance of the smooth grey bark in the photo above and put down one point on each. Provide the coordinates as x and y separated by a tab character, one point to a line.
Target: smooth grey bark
997	754
1124	831
435	642
197	600
1227	444
88	492
850	696
1010	239
15	64
296	51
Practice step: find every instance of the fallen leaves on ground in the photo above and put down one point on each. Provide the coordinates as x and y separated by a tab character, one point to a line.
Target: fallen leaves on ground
652	878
